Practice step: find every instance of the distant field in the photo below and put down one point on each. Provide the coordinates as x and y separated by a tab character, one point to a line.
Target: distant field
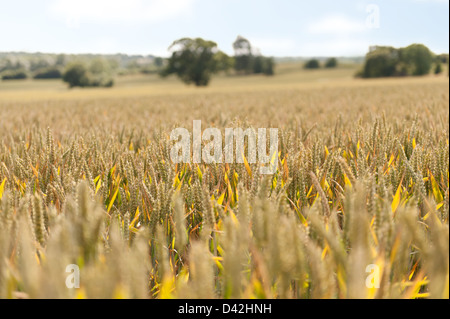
362	183
289	76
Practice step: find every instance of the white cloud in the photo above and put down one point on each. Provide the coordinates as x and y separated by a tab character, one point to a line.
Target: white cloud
336	24
118	11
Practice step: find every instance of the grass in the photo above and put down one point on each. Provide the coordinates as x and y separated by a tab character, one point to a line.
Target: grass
362	181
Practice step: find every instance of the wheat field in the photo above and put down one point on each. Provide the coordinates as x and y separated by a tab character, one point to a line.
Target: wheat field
362	183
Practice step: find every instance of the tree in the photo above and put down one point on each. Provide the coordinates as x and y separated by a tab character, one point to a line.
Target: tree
60	60
331	63
98	73
438	68
243	55
415	59
76	75
18	74
263	65
312	64
248	60
38	63
258	64
418	59
158	62
224	62
381	62
192	60
268	67
9	65
48	73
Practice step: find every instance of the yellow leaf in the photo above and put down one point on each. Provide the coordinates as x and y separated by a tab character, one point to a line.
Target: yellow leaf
176	181
396	200
436	192
247	167
342	280
391	160
328	188
415	286
324	252
394	249
120	292
199	172
99	184
80	293
347	181
309	192
35	170
2	188
273	159
299	214
230	191
218	260
135	219
234	218
113	199
166	288
258	289
220	200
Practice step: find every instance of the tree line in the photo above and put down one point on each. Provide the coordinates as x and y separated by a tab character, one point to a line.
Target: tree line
413	60
20	65
195	61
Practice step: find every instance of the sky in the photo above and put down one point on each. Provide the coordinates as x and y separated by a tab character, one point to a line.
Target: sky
276	27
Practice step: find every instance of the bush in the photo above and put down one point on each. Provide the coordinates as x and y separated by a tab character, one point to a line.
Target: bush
14	75
224	63
418	59
97	75
443	58
438	68
415	59
258	62
263	65
48	73
312	64
331	63
101	81
268	66
381	63
76	75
